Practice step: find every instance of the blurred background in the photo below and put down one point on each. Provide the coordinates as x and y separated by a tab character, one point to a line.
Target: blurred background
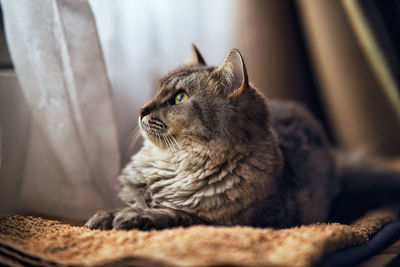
74	74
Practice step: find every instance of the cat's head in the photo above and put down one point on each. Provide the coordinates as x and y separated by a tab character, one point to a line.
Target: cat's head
204	105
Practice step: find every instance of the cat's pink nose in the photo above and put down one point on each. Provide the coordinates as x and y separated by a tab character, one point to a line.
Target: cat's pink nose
143	112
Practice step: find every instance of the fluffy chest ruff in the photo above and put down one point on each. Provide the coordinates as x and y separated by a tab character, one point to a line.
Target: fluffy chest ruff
220	191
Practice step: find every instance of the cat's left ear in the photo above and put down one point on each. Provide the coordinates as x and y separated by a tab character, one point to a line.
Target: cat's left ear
197	57
234	70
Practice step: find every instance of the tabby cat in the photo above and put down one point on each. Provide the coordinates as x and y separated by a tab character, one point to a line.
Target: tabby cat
216	152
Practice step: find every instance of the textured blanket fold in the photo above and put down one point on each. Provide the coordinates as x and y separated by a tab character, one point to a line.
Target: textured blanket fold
37	241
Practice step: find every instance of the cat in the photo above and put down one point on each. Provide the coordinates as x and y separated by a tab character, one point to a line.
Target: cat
216	152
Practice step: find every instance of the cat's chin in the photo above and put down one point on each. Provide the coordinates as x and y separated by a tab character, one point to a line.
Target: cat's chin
162	144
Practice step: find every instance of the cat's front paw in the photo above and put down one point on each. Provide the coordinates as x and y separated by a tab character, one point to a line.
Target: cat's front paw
101	220
139	219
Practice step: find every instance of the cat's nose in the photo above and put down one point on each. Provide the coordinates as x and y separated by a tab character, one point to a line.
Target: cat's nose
143	112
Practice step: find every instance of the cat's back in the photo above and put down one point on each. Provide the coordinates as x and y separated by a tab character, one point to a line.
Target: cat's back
296	126
309	170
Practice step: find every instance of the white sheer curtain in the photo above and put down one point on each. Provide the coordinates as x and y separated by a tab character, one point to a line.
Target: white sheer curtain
72	157
79	123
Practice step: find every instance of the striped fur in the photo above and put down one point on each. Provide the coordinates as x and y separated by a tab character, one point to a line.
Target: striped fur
222	156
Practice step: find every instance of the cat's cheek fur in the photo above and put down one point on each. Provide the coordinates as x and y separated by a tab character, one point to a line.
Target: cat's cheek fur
183	125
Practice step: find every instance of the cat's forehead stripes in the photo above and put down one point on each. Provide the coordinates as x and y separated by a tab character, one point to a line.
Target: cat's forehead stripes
184	77
170	80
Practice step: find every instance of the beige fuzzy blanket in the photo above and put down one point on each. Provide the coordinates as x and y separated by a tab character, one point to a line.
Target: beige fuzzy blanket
37	241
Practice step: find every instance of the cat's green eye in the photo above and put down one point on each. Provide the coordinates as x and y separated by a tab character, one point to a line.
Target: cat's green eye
180	98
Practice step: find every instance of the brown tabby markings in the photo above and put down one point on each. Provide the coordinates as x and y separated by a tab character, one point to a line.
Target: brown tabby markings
216	157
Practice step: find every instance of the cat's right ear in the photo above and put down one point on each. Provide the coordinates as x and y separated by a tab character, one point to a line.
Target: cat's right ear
197	57
234	70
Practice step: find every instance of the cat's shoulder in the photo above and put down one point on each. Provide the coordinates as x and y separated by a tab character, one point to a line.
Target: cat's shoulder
288	111
291	119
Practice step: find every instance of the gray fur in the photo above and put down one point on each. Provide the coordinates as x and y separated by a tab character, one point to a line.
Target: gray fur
223	157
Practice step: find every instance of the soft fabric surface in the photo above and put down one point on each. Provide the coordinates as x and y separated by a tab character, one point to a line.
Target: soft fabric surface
356	255
30	240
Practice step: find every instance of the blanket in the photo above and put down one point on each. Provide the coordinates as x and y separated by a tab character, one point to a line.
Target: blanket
37	241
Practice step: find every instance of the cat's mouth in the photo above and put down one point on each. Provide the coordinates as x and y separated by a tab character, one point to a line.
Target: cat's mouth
158	132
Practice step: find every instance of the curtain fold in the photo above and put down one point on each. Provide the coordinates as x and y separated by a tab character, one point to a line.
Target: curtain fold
14	132
361	112
272	42
73	156
333	56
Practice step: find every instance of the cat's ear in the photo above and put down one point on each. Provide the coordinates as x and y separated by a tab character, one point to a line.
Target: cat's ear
197	57
234	70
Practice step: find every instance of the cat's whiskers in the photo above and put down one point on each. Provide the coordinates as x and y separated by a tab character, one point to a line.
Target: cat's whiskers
166	142
174	142
174	139
159	138
133	137
169	143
